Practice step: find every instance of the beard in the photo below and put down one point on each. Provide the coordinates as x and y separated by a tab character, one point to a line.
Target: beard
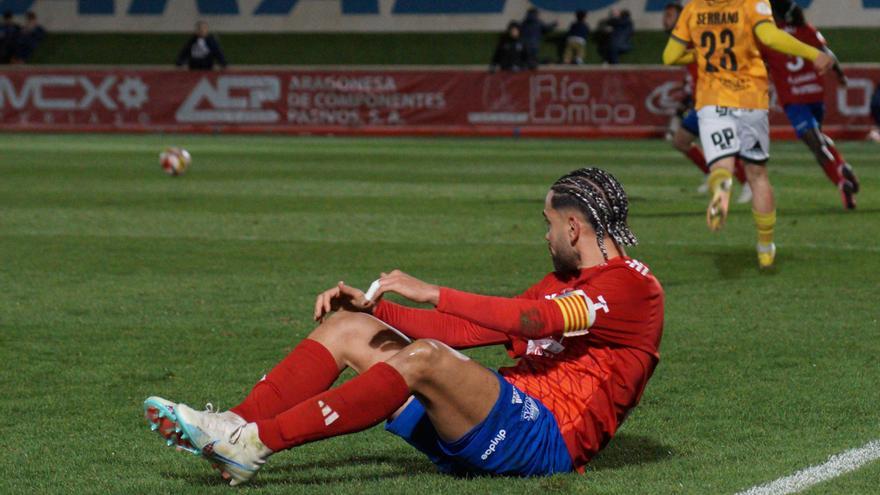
565	262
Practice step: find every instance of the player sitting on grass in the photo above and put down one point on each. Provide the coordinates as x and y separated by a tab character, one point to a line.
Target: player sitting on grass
801	92
733	99
586	335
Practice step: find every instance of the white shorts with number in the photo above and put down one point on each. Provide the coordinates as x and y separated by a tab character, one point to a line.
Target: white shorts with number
734	131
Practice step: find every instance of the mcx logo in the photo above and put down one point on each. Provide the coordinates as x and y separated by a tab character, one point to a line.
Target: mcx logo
70	93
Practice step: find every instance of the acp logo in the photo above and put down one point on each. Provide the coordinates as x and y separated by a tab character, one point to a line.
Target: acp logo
215	103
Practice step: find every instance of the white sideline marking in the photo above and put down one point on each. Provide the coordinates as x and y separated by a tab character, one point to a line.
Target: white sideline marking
835	466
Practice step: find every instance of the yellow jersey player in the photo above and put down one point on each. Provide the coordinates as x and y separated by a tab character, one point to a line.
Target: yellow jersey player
733	98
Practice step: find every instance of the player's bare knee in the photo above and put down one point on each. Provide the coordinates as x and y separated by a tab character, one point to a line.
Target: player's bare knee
420	361
681	142
815	141
345	326
755	172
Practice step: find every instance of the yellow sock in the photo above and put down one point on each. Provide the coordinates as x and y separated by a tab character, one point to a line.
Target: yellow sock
718	177
765	223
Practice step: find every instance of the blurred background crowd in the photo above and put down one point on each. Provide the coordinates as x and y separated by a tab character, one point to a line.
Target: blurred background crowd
18	41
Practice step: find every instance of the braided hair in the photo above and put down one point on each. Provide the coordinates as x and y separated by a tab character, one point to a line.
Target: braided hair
788	11
602	200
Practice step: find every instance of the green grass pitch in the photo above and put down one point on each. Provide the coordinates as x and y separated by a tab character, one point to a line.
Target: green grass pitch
118	282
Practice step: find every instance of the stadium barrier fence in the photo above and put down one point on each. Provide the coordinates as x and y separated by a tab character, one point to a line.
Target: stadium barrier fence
625	102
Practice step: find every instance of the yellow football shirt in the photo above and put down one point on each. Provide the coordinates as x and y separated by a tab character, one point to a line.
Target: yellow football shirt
731	71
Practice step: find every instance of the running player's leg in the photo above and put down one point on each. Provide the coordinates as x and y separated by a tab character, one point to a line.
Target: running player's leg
815	141
807	121
721	144
683	141
849	184
763	212
807	128
739	171
838	171
874	134
755	140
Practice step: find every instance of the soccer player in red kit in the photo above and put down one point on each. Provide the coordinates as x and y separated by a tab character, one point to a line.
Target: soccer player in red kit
586	337
801	92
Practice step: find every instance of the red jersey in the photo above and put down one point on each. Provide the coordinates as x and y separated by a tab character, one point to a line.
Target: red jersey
691	78
796	79
587	343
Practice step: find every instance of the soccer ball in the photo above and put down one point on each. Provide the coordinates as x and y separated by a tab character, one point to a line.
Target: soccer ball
174	160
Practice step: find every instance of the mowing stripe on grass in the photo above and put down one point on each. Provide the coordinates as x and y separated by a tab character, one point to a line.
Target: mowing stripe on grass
189	234
735	243
835	466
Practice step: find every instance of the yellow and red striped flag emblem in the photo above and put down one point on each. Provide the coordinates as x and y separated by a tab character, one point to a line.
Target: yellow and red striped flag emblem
577	312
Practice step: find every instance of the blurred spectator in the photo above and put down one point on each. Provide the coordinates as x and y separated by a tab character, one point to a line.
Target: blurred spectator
510	53
874	135
602	36
202	50
675	132
614	37
532	31
670	15
8	37
576	39
30	36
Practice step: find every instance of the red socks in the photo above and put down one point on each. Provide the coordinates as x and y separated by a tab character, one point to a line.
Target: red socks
356	405
308	370
739	171
292	405
696	155
831	165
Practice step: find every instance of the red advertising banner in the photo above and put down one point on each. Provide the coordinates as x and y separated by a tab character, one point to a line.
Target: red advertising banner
630	102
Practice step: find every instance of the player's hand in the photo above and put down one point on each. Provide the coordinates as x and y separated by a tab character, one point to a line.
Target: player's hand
408	287
823	63
841	79
344	297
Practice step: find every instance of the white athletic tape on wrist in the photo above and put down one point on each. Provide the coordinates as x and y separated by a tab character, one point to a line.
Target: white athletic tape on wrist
371	292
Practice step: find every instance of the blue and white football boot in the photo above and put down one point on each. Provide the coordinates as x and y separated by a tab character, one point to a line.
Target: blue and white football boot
224	439
161	415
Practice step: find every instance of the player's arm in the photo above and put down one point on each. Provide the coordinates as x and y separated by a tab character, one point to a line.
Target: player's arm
677	53
452	330
431	324
822	44
415	323
528	318
838	70
778	40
